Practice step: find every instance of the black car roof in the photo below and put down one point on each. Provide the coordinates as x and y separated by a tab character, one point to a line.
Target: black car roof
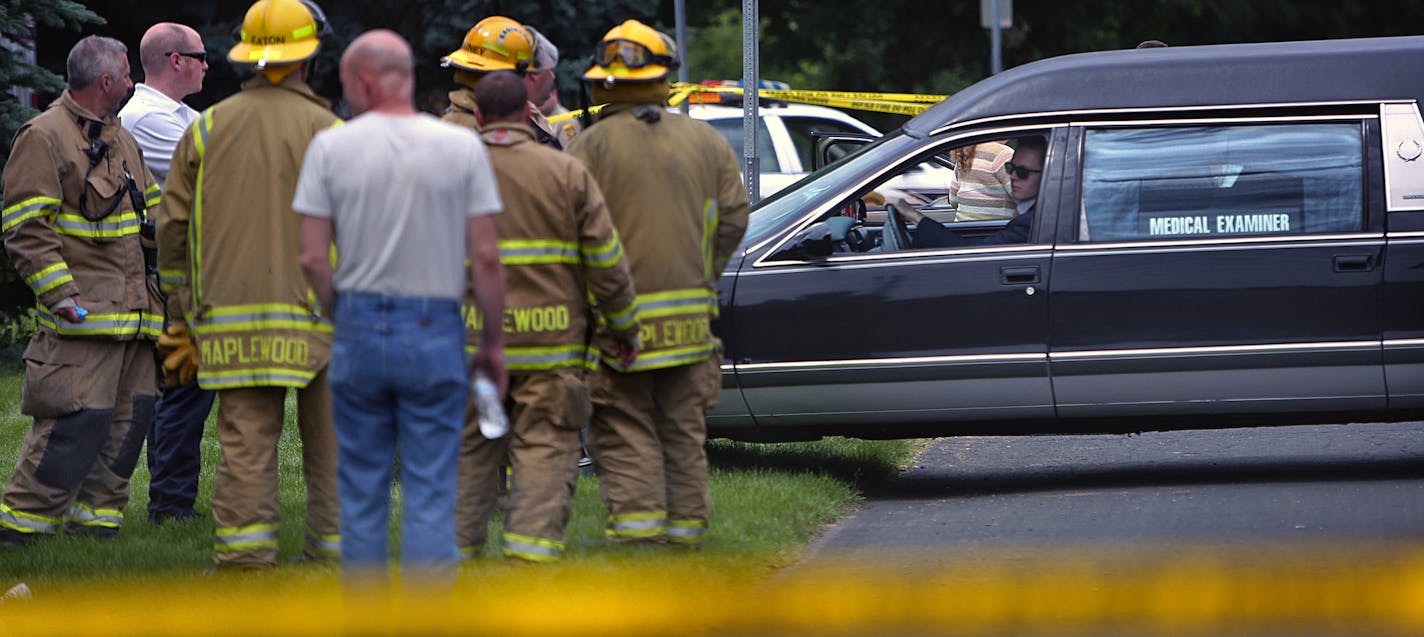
1266	73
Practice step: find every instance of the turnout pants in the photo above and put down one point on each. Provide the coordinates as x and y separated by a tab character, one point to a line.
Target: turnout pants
245	505
647	438
92	401
546	411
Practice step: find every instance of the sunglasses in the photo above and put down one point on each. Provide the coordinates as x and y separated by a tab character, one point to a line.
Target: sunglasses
201	56
1022	172
632	54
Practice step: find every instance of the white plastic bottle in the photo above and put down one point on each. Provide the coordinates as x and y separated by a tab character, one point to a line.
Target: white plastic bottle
493	422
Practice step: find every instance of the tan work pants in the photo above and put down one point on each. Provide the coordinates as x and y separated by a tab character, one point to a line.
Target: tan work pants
245	504
546	411
93	402
648	432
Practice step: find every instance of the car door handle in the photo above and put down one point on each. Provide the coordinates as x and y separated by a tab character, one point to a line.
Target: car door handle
1018	275
1354	263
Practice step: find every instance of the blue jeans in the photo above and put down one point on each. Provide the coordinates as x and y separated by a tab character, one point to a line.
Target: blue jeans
398	384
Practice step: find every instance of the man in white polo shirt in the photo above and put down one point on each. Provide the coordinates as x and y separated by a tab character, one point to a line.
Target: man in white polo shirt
174	64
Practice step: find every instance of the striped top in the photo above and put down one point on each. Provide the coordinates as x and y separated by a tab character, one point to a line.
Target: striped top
984	191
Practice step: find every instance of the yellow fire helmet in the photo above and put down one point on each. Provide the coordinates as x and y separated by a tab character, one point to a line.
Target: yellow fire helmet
279	32
495	43
632	52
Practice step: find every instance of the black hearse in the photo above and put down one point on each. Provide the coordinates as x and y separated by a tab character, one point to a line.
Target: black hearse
1223	235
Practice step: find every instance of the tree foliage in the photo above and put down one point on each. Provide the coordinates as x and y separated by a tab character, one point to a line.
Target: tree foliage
17	27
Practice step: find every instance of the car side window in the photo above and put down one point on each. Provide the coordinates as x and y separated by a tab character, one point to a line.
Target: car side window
1194	182
731	129
801	128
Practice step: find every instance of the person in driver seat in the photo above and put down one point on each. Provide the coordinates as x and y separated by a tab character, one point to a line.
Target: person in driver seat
1025	174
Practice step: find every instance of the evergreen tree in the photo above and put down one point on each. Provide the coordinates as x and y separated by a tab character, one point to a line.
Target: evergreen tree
17	31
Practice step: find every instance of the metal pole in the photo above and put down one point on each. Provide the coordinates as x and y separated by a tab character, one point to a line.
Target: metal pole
996	41
680	9
751	168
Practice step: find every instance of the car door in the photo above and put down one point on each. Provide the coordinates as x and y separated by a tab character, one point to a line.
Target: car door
1219	268
880	341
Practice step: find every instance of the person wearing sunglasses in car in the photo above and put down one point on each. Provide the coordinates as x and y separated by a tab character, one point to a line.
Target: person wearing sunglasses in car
1025	175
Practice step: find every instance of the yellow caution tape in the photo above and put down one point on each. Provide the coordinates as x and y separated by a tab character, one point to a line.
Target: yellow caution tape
897	103
1303	588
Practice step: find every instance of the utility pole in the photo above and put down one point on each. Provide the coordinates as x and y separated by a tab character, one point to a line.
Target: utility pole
751	80
680	11
996	15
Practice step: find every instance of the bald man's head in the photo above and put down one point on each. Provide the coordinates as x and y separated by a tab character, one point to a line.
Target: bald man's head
173	59
378	71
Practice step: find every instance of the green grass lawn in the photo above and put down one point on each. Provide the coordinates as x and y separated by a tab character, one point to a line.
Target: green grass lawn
769	500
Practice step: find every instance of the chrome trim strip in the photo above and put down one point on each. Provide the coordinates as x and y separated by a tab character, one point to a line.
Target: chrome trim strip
1217	349
1404	342
1070	355
817	209
1404	235
1164	109
984	254
891	362
1219	120
1323	241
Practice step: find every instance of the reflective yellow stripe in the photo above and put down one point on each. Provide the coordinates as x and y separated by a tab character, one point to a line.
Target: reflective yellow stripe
604	256
255	377
121	324
28	209
659	359
27	522
636	525
674	302
623	320
110	227
152	196
86	515
686	531
537	251
201	129
259	316
242	538
328	545
540	358
49	278
709	236
170	279
304	31
532	548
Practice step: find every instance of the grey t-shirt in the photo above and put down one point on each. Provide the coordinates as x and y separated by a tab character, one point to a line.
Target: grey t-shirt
398	190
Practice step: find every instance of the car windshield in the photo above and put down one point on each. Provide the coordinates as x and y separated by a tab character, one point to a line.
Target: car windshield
774	212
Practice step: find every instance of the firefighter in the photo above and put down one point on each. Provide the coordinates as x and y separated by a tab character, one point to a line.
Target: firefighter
559	250
676	197
74	220
238	303
496	43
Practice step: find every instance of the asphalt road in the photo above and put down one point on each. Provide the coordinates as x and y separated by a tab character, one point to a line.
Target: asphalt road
1355	483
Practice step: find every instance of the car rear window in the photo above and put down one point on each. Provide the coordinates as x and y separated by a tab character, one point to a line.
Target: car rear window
1166	183
732	130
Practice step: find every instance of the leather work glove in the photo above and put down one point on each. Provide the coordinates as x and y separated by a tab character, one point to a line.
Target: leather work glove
180	355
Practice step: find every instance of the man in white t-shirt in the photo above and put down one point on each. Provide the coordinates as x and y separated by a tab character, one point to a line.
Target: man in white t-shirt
408	200
174	64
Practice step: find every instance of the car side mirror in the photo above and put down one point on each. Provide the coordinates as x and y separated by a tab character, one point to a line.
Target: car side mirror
815	242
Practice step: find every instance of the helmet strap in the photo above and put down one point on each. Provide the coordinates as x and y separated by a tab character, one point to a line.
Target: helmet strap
276	74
